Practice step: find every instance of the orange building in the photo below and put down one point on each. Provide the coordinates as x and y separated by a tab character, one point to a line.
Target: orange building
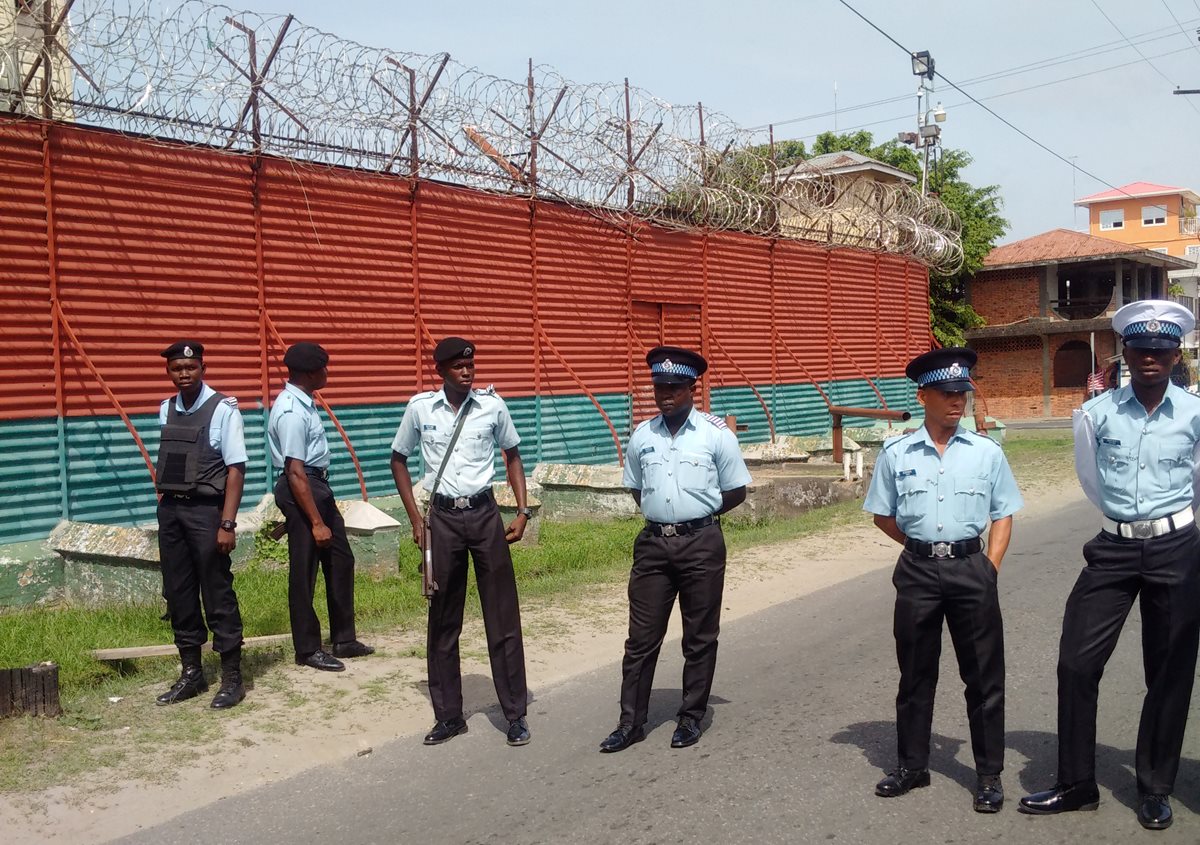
1155	217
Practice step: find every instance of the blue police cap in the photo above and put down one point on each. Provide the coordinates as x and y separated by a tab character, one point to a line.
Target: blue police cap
946	369
183	349
673	365
305	357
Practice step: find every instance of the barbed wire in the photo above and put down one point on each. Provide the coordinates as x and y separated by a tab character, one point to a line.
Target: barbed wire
211	76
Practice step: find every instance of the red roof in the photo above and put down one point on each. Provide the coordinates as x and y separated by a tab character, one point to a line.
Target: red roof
1066	245
1132	190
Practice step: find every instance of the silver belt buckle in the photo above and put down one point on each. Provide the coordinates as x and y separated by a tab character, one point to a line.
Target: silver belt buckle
941	550
1142	530
670	531
462	503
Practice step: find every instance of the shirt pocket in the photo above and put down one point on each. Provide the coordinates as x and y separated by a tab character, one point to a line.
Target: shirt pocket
652	470
696	472
478	444
912	499
971	498
1175	467
1116	466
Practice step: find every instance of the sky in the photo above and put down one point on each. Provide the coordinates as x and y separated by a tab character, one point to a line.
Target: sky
763	62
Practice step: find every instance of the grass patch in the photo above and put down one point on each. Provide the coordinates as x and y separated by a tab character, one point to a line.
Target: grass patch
1040	457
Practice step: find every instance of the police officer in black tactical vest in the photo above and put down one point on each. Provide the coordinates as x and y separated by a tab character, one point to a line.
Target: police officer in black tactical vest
201	468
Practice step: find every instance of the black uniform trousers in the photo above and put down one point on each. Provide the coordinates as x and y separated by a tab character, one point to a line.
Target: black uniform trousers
692	567
963	591
336	561
195	571
1165	574
480	532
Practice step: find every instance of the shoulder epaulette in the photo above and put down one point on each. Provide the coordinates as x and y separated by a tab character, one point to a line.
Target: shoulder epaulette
715	420
490	390
231	401
645	423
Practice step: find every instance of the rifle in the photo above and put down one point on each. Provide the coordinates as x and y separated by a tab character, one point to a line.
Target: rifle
429	586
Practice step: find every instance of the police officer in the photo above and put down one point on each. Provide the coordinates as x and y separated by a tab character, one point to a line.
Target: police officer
201	467
1135	451
315	528
684	469
933	491
464	519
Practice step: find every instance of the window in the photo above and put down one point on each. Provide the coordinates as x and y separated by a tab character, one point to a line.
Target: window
1161	249
1193	253
1072	364
1113	219
1154	215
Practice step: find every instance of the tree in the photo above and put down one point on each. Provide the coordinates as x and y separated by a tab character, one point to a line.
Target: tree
977	208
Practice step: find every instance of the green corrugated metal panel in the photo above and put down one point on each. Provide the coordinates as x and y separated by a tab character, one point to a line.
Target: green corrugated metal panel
109	483
799	409
31	504
108	479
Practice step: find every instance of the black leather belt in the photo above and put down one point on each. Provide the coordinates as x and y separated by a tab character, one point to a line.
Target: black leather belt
198	498
679	529
460	503
317	472
959	548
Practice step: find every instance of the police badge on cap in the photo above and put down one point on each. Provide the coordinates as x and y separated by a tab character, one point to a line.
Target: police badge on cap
673	365
946	369
452	348
183	349
1153	324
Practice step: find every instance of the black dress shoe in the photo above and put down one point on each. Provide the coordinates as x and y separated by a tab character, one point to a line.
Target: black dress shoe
447	730
518	732
900	780
190	684
688	733
352	649
1154	812
321	660
1063	798
989	794
623	737
232	691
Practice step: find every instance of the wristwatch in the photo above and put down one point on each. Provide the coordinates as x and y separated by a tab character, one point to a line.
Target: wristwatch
228	525
526	512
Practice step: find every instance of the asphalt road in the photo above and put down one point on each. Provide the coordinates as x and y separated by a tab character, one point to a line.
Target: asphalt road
801	729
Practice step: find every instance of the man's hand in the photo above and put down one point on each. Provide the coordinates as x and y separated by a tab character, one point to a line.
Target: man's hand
516	529
416	532
226	541
322	536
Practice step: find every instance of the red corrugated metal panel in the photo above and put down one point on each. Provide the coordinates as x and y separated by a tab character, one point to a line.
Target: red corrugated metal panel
667	266
854	322
338	270
904	292
27	389
474	279
155	243
739	310
582	300
802	311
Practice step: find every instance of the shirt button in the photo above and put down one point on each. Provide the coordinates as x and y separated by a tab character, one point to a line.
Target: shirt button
1145	431
939	526
1141	466
1141	499
941	498
941	470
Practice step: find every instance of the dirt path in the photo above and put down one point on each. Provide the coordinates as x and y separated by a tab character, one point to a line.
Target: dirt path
296	719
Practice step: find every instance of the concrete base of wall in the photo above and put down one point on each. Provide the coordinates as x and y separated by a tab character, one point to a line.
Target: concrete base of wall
30	575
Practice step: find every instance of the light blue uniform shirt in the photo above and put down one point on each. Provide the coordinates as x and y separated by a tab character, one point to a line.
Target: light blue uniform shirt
226	432
681	477
429	422
1133	466
943	498
295	429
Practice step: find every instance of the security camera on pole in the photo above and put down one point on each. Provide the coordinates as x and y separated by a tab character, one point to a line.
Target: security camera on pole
928	132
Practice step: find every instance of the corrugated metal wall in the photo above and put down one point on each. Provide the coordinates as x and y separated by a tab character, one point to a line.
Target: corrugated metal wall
139	242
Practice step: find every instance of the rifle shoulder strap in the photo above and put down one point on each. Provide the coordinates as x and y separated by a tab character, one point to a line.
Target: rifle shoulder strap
462	418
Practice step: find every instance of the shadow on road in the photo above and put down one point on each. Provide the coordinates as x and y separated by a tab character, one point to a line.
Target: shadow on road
878	743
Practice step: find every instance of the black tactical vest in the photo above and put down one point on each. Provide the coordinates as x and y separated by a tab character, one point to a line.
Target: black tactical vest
187	462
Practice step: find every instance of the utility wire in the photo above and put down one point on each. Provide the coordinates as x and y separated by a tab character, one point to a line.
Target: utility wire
1189	38
1153	66
988	109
